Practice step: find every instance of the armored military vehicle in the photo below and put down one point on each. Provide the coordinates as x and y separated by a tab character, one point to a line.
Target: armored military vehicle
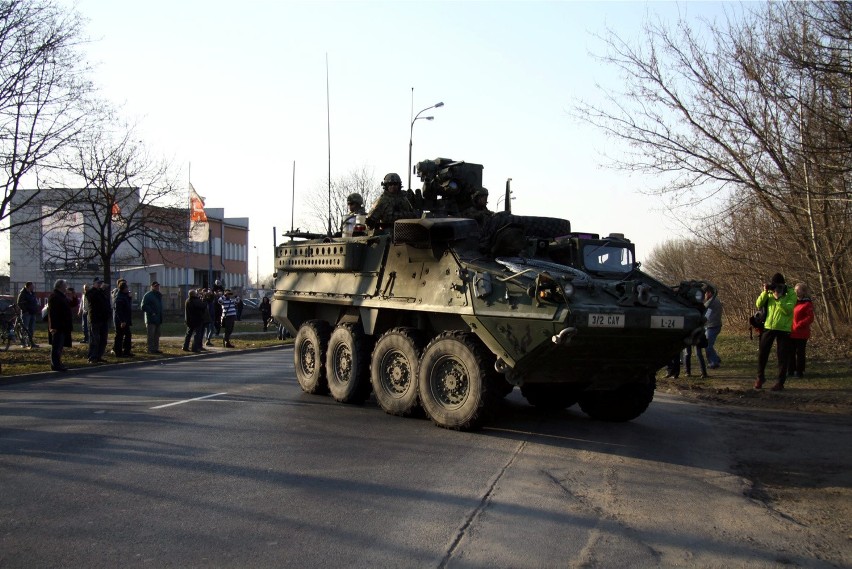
446	316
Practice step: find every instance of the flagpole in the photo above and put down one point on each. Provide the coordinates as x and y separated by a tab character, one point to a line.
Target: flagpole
188	230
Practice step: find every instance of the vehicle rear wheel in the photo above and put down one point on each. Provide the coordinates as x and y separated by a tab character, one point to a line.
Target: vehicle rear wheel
346	364
454	382
393	371
623	404
549	396
309	351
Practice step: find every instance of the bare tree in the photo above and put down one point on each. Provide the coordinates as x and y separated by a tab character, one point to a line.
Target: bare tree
673	261
127	201
42	85
755	112
360	180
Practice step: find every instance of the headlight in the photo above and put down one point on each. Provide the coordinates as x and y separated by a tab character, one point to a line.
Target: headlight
568	290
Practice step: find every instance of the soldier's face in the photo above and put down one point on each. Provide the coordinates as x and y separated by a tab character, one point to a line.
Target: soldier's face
393	187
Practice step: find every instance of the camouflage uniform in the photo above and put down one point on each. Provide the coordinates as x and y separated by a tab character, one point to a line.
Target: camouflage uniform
481	215
349	222
389	207
477	211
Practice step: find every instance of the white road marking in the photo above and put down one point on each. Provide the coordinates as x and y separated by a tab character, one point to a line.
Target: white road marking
189	400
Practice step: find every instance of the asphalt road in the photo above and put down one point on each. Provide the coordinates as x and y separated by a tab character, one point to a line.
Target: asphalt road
224	462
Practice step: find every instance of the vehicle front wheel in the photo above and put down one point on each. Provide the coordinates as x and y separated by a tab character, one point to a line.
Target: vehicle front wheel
453	381
549	396
623	404
309	351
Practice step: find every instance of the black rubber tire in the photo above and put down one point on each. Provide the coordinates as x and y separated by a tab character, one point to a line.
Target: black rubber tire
454	382
393	371
504	388
22	335
623	404
346	364
309	351
550	396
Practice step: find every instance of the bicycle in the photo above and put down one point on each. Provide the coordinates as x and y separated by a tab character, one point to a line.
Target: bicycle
22	333
7	330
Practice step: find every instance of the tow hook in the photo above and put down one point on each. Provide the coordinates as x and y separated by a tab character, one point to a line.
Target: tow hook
564	336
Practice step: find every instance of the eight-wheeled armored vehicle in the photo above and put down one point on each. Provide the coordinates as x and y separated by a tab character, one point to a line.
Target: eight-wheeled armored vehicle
446	316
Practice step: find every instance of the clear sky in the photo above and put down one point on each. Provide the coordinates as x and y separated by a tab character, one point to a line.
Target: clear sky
235	93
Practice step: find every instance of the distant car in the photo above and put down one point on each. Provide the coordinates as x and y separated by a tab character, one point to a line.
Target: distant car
251	302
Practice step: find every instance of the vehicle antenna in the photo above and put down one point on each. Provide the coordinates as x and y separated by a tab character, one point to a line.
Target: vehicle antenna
328	121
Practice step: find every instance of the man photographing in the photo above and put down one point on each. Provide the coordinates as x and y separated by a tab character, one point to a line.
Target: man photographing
779	300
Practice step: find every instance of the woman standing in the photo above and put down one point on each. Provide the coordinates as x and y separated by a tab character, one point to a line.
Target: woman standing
803	317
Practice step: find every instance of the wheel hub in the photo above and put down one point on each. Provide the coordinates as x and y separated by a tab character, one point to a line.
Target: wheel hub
343	363
450	382
308	358
397	373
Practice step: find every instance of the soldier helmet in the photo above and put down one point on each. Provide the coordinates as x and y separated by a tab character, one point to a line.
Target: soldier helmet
480	192
392	178
355	198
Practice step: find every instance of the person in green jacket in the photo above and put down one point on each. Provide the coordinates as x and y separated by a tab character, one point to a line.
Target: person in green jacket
779	300
152	306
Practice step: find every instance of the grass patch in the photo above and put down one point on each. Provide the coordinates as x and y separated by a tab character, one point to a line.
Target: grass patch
248	334
826	387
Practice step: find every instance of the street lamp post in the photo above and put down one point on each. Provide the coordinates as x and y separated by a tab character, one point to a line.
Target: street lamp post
411	133
256	268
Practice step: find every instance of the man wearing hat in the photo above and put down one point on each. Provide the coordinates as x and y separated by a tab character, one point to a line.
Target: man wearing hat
152	306
479	210
779	300
229	315
99	313
349	227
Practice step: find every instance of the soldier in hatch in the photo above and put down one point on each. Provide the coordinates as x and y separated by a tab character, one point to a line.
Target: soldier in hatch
479	210
350	225
390	206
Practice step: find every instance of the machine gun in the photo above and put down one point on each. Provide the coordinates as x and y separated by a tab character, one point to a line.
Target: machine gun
448	186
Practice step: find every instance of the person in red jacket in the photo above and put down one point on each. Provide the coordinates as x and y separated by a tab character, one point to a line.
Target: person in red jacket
803	317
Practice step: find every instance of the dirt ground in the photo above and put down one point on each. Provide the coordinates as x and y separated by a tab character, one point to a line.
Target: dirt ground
798	397
792	448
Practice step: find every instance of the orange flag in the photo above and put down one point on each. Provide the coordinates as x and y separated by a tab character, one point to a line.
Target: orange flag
198	226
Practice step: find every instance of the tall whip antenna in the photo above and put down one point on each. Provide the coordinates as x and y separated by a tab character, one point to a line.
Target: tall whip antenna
293	197
328	119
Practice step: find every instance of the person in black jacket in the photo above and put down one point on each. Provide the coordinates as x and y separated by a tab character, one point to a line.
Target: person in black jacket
122	317
265	312
30	309
99	313
60	322
195	310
